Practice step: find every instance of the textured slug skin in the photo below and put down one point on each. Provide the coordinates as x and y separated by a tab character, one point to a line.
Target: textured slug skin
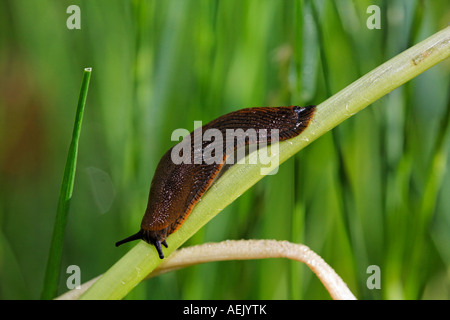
176	188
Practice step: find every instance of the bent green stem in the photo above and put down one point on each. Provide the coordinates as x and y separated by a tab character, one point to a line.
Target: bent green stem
245	250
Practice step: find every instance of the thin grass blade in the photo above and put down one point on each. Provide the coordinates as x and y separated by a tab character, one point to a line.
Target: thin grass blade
52	273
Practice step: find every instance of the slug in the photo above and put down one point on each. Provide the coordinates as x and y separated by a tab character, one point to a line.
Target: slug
176	188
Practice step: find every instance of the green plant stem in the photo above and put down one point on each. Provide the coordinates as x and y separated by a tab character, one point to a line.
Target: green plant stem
52	272
244	250
142	259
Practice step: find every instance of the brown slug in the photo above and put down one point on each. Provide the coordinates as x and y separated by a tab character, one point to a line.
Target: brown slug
176	188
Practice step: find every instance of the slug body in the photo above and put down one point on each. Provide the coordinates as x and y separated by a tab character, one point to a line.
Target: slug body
176	188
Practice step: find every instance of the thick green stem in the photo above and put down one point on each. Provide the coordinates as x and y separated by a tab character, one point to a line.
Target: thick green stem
142	259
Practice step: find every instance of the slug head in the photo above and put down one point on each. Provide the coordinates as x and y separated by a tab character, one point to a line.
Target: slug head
147	236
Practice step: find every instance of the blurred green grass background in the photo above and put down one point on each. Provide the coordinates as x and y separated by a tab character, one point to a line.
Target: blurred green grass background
374	191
